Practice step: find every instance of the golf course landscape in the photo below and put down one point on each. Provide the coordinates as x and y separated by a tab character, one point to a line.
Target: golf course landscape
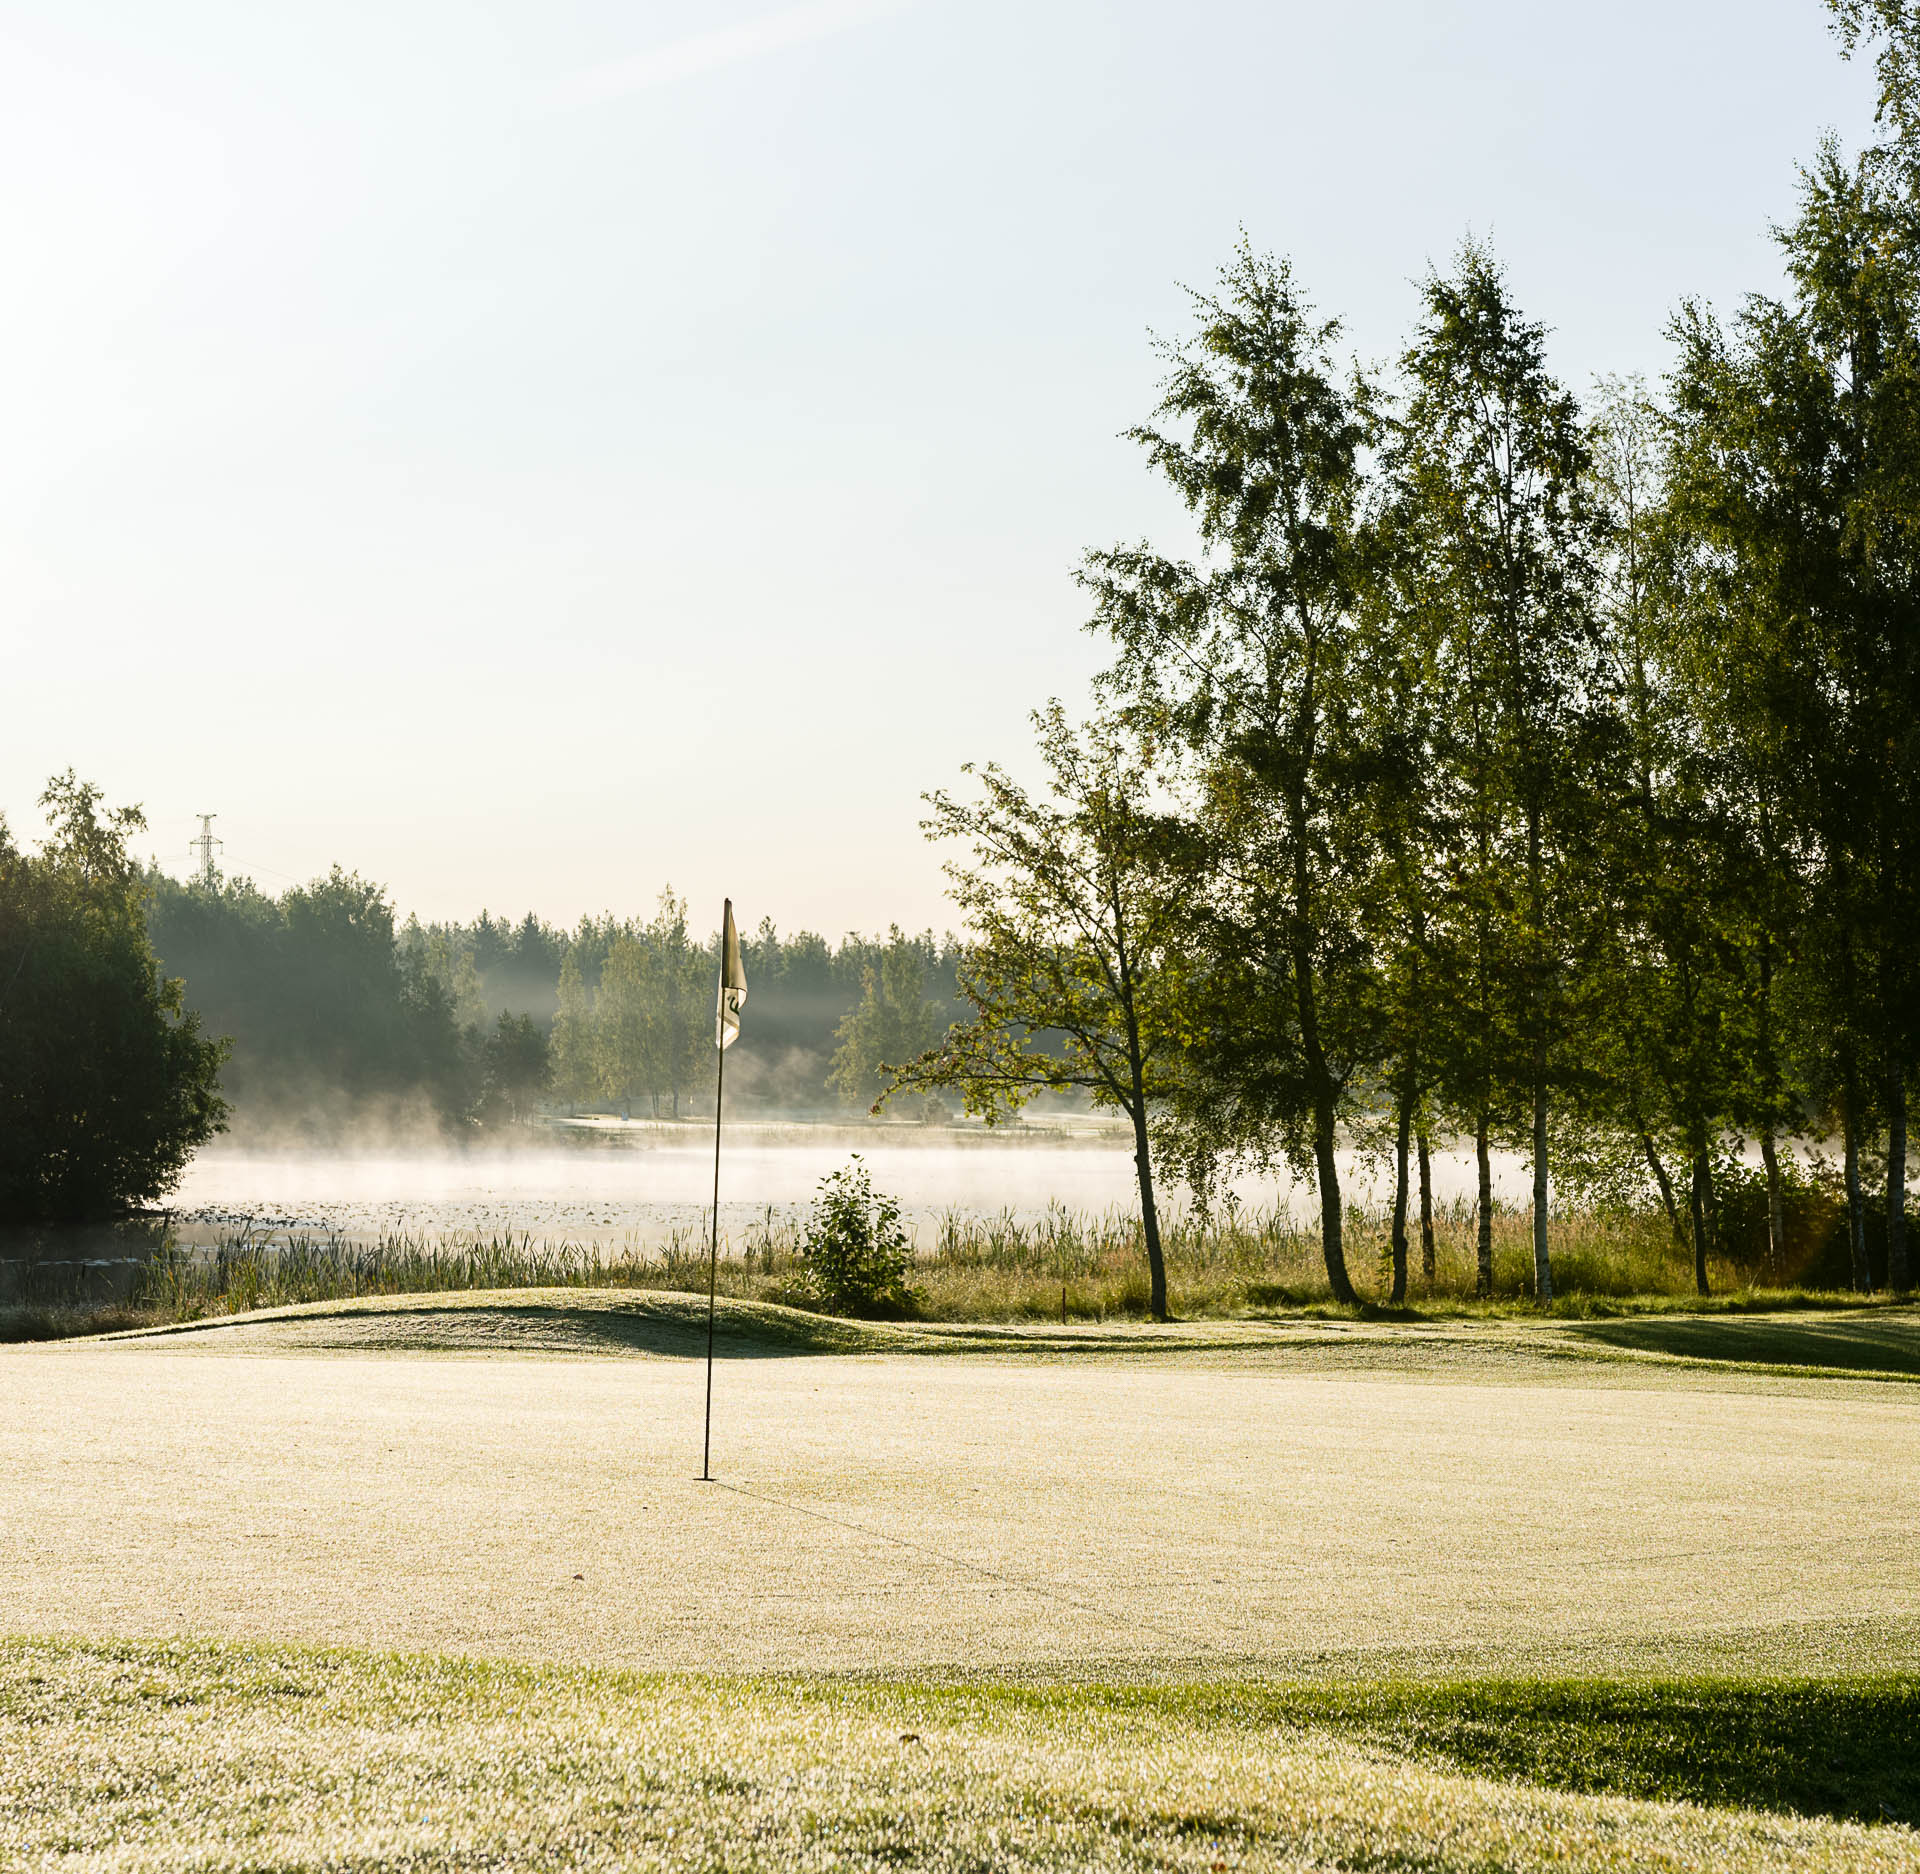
960	941
432	1582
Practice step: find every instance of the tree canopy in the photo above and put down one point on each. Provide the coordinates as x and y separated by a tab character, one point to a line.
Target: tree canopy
107	1082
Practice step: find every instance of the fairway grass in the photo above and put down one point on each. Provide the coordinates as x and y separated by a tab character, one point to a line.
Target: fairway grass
188	1754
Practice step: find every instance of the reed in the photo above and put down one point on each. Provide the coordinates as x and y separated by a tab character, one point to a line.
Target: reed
968	1266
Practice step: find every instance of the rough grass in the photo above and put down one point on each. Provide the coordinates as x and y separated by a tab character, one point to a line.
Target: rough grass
976	1269
170	1755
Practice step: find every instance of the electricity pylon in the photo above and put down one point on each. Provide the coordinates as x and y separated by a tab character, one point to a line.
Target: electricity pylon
204	845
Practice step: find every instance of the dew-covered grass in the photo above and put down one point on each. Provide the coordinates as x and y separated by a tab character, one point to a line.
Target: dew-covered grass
180	1754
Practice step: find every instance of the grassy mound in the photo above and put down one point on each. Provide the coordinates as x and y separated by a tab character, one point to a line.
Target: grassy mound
1883	1343
557	1320
166	1755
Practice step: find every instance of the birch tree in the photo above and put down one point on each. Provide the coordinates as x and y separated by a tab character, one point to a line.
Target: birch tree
1246	655
1072	964
1491	462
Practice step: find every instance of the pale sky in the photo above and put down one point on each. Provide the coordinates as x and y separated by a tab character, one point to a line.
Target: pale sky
531	451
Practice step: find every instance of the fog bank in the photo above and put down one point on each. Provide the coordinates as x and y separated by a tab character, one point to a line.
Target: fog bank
645	1193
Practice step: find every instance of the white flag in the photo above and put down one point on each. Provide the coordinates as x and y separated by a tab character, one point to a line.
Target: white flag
733	984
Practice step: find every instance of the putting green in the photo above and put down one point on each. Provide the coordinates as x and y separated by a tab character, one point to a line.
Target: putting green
1274	1502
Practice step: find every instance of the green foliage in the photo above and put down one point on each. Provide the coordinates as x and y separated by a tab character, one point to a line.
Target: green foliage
328	1009
519	1067
1249	657
854	1250
893	1023
653	1011
334	1014
1075	965
107	1083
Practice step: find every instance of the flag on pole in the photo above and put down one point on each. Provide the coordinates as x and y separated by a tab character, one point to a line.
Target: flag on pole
733	985
726	1025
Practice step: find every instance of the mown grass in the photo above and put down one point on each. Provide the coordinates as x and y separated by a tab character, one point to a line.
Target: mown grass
169	1754
974	1268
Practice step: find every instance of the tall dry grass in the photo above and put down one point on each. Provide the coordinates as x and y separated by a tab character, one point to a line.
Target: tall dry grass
968	1267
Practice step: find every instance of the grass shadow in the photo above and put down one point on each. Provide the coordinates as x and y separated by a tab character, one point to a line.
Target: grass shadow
1867	1342
516	1321
1845	1748
1848	1749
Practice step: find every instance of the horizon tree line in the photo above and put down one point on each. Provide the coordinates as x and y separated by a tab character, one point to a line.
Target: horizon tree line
339	1014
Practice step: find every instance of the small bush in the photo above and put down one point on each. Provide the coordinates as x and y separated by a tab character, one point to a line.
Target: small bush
854	1250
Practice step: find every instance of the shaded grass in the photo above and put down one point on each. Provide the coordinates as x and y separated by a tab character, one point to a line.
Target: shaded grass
1848	1748
160	1755
551	1320
1853	1342
1832	1747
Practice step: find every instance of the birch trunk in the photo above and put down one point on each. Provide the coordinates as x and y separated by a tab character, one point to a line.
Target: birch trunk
1332	1238
1776	1208
1899	1273
1483	1279
1666	1186
1856	1208
1542	1268
1401	1136
1149	1216
1429	1272
1702	1204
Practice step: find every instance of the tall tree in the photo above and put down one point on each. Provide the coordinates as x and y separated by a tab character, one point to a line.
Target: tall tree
1247	656
1491	462
572	1039
1797	478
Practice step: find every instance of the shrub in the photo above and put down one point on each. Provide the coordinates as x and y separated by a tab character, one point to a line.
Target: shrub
854	1249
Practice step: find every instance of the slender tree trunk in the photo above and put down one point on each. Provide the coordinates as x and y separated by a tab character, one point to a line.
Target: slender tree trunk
1776	1209
1402	1134
1899	1274
1332	1241
1856	1207
1429	1270
1542	1268
1702	1204
1137	1112
1483	1280
1149	1215
1665	1183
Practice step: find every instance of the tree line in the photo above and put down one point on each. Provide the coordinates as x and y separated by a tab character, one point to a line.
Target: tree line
139	1016
335	1011
1510	765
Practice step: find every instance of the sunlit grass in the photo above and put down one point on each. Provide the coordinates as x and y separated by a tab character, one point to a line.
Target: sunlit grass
164	1755
968	1266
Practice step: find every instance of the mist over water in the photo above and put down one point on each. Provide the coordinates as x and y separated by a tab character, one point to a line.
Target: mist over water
641	1194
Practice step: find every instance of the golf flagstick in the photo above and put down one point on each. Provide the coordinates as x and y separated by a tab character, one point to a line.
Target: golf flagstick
726	1025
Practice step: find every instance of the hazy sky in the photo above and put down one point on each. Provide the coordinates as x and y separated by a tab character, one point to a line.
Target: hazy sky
534	450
